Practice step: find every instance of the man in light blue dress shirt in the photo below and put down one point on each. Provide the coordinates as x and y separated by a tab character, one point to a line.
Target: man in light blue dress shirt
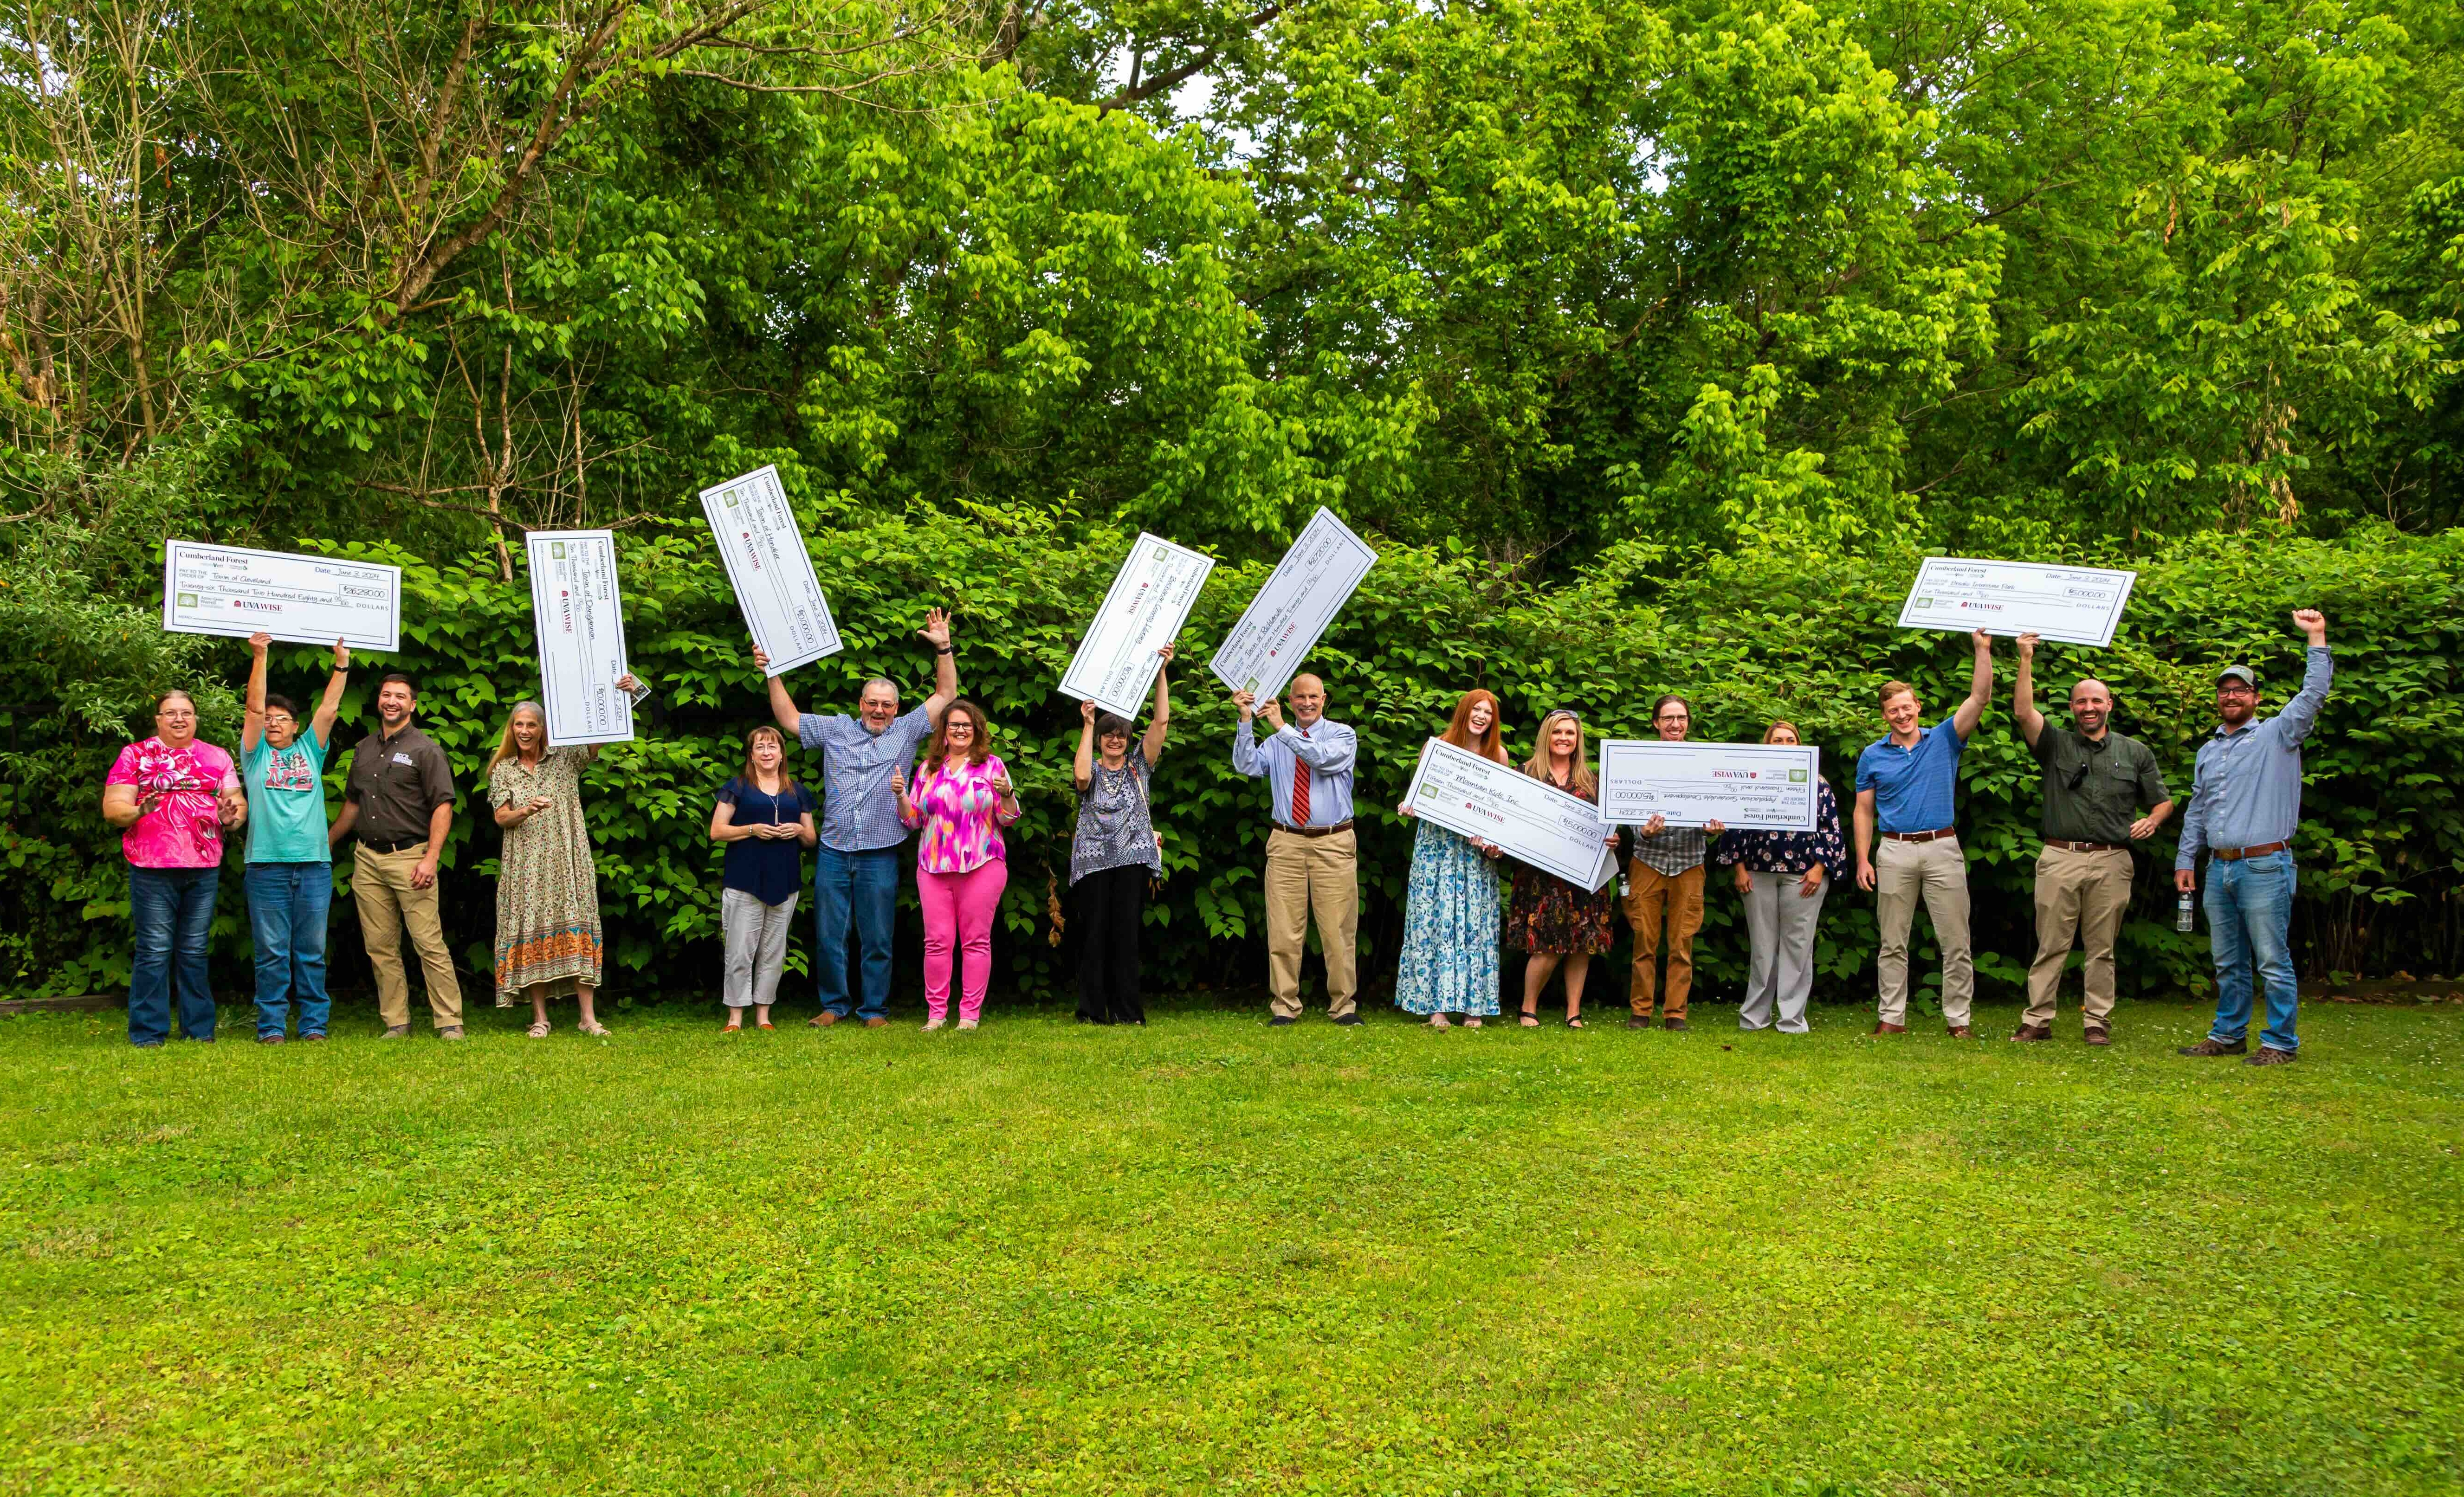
2245	806
1312	862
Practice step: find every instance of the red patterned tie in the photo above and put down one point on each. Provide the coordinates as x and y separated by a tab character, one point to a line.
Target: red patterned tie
1300	788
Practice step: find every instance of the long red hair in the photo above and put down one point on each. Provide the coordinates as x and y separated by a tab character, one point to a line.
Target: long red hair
1490	744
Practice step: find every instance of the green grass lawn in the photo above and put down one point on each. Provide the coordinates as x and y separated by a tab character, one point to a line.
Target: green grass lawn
1213	1255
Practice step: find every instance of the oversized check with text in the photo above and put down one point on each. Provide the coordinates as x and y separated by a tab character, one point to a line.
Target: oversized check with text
579	619
771	570
1151	598
302	599
1748	786
1531	818
1283	624
2075	604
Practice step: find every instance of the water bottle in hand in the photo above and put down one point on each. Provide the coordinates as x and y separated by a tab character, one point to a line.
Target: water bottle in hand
2182	914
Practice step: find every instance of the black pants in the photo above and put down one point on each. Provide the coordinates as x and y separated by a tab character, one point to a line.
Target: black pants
1111	905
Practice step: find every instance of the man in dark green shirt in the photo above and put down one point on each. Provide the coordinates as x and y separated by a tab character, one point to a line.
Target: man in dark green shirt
2096	780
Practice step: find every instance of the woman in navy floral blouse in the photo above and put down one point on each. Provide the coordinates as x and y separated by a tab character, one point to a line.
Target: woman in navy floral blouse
1784	876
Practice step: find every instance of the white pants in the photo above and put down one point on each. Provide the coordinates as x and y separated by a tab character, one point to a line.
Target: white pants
1781	922
756	946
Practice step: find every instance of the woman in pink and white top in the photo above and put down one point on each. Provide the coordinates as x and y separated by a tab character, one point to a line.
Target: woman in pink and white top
172	796
961	799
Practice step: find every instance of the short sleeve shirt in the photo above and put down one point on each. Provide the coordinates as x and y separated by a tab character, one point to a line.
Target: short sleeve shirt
396	783
771	872
2094	788
1914	788
286	800
183	826
859	810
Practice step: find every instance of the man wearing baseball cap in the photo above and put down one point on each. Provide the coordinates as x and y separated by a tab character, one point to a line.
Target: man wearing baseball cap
2245	806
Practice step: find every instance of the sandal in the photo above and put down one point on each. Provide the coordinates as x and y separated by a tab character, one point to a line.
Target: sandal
767	1025
1471	1022
594	1028
1437	1021
1575	1022
731	1027
537	1030
1531	1020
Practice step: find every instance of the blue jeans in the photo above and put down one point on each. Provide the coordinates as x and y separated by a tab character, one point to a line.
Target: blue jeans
173	911
2249	921
862	889
287	905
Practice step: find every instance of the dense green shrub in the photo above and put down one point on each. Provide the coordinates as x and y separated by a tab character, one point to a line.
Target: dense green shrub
1784	629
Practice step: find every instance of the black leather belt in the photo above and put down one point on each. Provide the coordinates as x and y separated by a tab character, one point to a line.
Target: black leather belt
393	846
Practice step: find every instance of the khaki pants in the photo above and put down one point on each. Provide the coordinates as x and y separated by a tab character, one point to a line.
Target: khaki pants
2082	892
1937	871
1305	875
1651	894
381	882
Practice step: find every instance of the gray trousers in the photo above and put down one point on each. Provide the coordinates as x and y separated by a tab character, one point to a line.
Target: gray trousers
1781	922
756	946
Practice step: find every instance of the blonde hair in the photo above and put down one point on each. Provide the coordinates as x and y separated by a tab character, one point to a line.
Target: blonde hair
1773	730
1581	781
505	748
1891	688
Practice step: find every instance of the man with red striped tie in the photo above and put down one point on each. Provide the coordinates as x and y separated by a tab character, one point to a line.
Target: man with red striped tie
1312	863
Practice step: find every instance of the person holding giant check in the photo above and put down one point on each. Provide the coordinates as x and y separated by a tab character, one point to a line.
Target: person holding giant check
1312	862
1908	782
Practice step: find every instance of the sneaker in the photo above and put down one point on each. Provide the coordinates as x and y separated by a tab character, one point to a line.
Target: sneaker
1279	1021
449	1032
2029	1031
396	1032
2096	1034
2214	1048
2270	1055
1678	1025
1638	1022
1349	1020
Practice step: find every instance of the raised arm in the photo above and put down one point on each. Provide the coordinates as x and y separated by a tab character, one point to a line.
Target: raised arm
321	721
2317	671
254	727
945	662
783	707
1162	717
1980	689
1247	758
2023	692
631	686
1083	770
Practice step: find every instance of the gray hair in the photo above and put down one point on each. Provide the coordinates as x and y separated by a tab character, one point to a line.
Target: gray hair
881	682
526	706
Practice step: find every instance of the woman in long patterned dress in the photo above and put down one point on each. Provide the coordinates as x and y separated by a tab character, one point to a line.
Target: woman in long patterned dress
1559	924
548	940
1449	962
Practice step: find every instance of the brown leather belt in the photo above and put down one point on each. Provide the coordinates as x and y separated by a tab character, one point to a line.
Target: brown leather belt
1921	836
2086	847
1314	831
2237	854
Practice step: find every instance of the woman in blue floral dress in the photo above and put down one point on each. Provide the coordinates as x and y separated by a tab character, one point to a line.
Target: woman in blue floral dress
1450	963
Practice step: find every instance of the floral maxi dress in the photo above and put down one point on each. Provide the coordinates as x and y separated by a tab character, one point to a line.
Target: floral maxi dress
1449	962
547	893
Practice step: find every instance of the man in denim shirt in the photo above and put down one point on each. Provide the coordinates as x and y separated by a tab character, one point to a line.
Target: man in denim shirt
2245	806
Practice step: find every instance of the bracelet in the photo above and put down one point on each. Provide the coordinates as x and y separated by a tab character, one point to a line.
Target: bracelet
945	649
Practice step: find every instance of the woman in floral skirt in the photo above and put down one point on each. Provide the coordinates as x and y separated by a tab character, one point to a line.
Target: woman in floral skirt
1449	962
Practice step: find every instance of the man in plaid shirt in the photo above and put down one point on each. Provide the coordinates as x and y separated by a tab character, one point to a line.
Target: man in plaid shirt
1664	882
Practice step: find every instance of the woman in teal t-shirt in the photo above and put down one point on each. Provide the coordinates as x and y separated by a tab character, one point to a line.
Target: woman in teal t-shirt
290	870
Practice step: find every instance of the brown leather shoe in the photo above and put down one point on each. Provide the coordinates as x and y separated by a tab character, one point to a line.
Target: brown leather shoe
2098	1034
2270	1055
875	1021
2213	1047
821	1021
1638	1022
1962	1033
1890	1028
1675	1024
2026	1031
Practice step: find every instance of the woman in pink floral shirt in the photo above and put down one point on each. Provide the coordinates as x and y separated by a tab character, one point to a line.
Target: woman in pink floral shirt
172	796
961	799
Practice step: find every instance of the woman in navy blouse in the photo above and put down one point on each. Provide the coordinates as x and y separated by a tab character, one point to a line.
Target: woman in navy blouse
1784	877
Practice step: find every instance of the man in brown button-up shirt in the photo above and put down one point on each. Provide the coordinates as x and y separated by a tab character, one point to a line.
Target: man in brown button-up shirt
398	804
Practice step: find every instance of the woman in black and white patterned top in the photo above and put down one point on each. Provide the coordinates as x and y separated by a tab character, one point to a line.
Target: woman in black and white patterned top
1113	853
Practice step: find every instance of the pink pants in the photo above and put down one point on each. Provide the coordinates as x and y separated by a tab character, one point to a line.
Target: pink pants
959	913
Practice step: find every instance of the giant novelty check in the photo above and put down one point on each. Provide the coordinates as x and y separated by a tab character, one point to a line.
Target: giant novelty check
1150	599
304	599
1531	819
771	570
2075	604
1749	786
1282	625
580	624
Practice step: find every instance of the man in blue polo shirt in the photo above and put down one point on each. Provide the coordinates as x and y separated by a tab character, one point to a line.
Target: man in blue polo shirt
1905	782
